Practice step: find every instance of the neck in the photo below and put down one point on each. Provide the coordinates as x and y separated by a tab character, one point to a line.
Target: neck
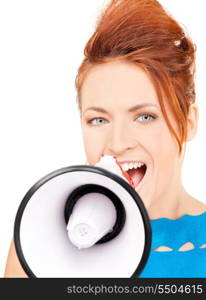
171	205
173	202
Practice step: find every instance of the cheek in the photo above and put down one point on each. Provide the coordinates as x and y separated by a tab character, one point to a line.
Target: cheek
169	149
93	145
166	159
161	145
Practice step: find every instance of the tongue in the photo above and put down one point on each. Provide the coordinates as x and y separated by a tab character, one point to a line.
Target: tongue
136	175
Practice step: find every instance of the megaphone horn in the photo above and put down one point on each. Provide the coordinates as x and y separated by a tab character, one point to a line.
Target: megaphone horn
81	221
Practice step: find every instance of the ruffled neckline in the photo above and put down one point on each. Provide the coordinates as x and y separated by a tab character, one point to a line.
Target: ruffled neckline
186	216
174	233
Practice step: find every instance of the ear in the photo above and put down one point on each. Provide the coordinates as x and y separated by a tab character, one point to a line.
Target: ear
192	121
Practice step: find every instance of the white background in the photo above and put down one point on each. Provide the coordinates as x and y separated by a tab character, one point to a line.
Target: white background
41	48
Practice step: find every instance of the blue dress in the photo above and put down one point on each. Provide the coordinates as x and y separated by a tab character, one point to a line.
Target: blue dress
174	234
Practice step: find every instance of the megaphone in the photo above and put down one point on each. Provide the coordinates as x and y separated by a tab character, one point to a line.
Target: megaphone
83	221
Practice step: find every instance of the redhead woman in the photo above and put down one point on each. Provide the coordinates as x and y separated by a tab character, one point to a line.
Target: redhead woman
136	96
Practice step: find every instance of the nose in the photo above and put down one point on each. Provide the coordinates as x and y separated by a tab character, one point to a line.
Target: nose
120	140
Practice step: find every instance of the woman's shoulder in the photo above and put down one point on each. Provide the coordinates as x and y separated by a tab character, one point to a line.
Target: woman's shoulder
195	207
13	267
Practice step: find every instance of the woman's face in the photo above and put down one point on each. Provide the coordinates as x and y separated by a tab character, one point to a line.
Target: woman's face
121	116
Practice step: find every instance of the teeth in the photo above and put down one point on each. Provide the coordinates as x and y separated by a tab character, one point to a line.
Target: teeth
125	167
131	165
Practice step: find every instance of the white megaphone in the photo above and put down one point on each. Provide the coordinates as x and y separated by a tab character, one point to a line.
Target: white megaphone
83	221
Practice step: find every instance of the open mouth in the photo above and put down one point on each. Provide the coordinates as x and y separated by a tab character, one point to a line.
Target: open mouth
134	172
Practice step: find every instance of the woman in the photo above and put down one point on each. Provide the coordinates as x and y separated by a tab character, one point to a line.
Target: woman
136	97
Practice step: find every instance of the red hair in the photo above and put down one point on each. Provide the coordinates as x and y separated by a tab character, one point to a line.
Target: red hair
143	33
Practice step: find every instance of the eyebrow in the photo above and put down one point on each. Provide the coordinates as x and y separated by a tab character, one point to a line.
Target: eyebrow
131	109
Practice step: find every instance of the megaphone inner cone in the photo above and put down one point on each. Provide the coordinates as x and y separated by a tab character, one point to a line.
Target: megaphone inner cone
104	215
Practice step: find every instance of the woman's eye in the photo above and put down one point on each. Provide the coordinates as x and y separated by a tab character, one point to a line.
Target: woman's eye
94	121
146	118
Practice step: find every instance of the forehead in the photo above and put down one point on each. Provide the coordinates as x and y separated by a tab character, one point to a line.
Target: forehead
117	84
